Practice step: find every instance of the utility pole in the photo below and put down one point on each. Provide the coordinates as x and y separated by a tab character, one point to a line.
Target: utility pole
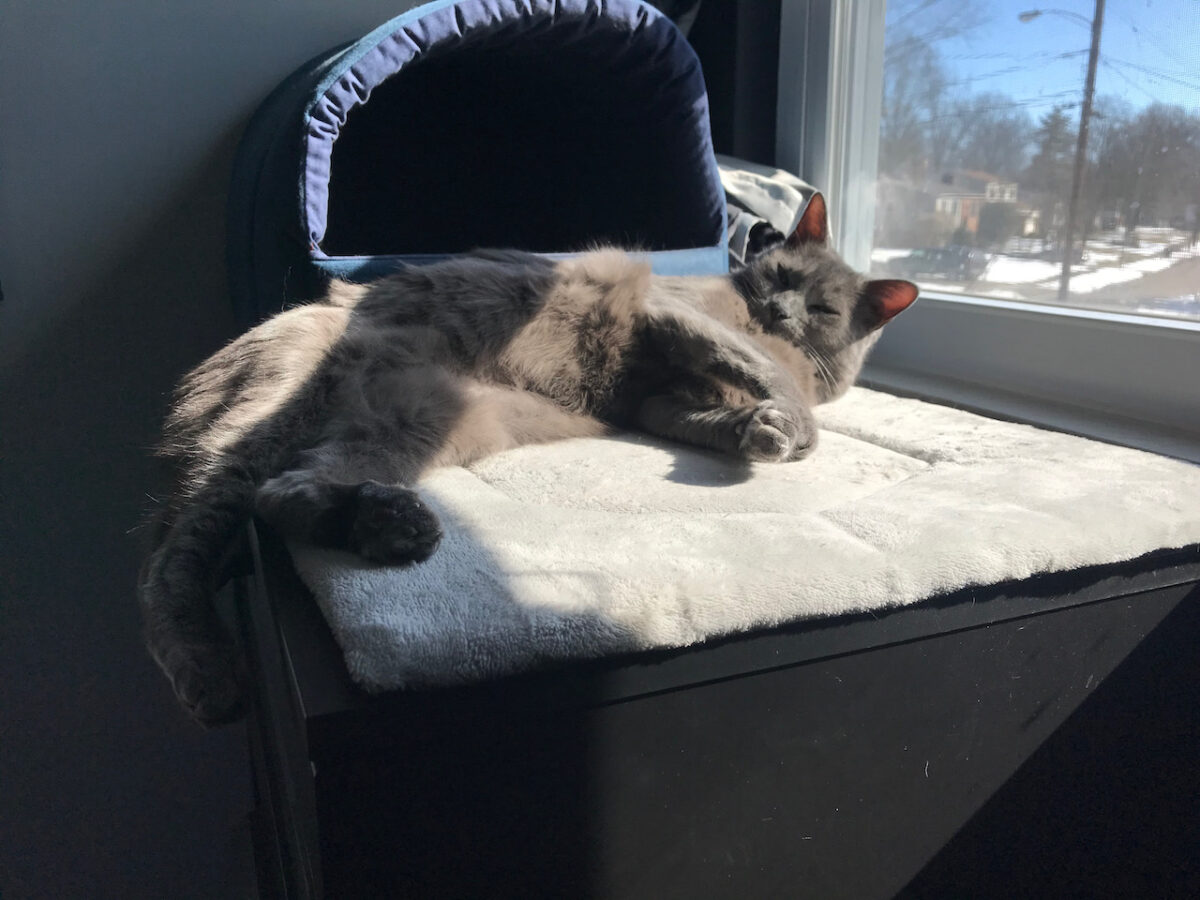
1085	114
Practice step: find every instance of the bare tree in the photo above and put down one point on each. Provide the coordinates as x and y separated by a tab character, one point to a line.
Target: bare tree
915	25
996	135
928	128
914	98
1147	165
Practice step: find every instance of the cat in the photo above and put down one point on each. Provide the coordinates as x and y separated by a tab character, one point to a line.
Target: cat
321	419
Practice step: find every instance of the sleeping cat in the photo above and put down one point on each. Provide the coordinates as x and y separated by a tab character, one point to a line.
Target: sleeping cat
322	418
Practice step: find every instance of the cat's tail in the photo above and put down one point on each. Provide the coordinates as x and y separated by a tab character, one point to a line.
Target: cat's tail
238	419
180	578
176	589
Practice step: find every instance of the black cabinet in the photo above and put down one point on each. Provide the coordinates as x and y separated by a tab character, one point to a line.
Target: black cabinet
1029	739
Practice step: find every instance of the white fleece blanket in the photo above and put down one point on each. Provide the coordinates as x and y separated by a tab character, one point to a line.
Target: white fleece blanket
597	546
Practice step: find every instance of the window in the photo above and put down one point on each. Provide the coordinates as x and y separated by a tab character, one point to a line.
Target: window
887	107
981	113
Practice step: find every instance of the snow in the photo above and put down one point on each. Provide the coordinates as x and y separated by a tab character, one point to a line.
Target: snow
949	287
1093	281
1099	271
1152	265
1007	270
1087	282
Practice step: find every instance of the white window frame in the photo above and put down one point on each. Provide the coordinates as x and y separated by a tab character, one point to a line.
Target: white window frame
1129	379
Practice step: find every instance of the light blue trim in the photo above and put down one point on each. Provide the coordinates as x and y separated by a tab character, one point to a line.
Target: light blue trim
693	261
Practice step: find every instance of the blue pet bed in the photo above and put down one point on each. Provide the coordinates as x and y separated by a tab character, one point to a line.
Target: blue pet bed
545	125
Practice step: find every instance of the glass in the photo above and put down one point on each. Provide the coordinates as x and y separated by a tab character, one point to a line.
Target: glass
978	152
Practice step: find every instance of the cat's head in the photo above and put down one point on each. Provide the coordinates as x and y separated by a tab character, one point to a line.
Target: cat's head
801	290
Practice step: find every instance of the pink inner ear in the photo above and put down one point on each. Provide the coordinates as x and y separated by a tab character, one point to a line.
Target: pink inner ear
892	296
813	225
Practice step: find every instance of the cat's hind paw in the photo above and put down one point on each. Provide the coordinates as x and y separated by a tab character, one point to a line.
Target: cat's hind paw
208	684
393	526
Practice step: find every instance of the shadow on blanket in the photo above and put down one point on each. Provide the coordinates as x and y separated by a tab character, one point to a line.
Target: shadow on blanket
705	468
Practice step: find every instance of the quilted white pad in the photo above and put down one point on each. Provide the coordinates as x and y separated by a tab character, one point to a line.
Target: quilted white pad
596	546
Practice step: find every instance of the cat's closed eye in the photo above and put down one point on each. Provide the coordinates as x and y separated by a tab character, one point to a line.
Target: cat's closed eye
822	309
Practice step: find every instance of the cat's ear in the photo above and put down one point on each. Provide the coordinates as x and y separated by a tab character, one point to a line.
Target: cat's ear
889	297
813	225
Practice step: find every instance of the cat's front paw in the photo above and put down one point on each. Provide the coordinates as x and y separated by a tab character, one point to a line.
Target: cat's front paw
393	526
774	433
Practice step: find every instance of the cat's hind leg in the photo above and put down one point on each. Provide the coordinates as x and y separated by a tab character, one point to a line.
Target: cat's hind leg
351	497
352	491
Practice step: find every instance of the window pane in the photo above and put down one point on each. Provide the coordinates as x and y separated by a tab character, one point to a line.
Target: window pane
978	153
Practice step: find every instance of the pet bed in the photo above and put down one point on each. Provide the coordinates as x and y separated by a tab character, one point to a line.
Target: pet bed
595	547
544	125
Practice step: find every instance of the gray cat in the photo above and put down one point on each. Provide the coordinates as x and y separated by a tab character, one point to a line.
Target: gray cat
320	419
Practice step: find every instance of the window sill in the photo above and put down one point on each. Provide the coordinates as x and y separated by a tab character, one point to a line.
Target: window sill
1124	379
1014	407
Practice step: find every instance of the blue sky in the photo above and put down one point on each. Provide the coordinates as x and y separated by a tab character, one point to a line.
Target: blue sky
1149	50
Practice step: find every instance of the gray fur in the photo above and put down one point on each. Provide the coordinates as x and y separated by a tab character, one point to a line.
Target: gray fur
321	419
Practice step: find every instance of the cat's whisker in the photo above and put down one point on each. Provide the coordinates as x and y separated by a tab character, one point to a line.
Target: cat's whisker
828	364
831	380
821	365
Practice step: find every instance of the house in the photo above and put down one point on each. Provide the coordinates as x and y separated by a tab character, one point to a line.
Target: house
972	190
1031	221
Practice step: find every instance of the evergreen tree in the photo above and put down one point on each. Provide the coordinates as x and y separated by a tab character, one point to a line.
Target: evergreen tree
1048	177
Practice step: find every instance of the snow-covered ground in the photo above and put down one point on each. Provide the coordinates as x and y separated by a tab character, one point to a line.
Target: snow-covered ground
1107	264
883	254
1093	281
1007	270
974	289
1094	276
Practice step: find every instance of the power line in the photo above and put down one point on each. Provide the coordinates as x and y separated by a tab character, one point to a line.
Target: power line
1009	70
1017	57
1162	45
1129	81
1025	103
1157	73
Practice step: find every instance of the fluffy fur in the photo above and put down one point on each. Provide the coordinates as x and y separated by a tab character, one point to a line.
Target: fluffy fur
321	419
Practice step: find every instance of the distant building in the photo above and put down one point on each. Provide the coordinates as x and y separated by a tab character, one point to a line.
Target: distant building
962	209
971	190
